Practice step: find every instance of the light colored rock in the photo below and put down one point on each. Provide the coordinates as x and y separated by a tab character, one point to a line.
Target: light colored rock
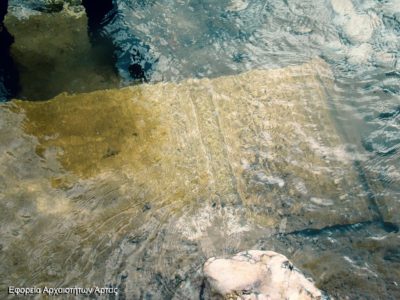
360	54
343	7
238	5
357	27
258	275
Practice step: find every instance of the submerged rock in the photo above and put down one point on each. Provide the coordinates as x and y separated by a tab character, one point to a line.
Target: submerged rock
53	54
360	54
288	143
221	162
358	28
258	275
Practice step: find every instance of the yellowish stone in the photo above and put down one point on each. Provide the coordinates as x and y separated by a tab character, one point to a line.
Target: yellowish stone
148	170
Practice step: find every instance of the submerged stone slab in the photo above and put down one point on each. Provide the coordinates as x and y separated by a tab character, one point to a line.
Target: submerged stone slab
136	186
263	139
258	274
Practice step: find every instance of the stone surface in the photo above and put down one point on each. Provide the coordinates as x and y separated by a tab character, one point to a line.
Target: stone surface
136	186
258	274
249	142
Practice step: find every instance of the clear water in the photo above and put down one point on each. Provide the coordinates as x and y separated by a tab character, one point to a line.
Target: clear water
142	253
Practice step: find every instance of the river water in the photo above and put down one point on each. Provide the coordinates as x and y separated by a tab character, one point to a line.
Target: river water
263	125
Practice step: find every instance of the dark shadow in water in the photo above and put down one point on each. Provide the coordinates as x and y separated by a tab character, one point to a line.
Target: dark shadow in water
98	12
3	10
8	72
136	61
340	228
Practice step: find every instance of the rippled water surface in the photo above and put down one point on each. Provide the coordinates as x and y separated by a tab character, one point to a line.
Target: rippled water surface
263	125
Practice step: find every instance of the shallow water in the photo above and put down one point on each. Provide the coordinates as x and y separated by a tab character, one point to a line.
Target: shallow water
136	187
